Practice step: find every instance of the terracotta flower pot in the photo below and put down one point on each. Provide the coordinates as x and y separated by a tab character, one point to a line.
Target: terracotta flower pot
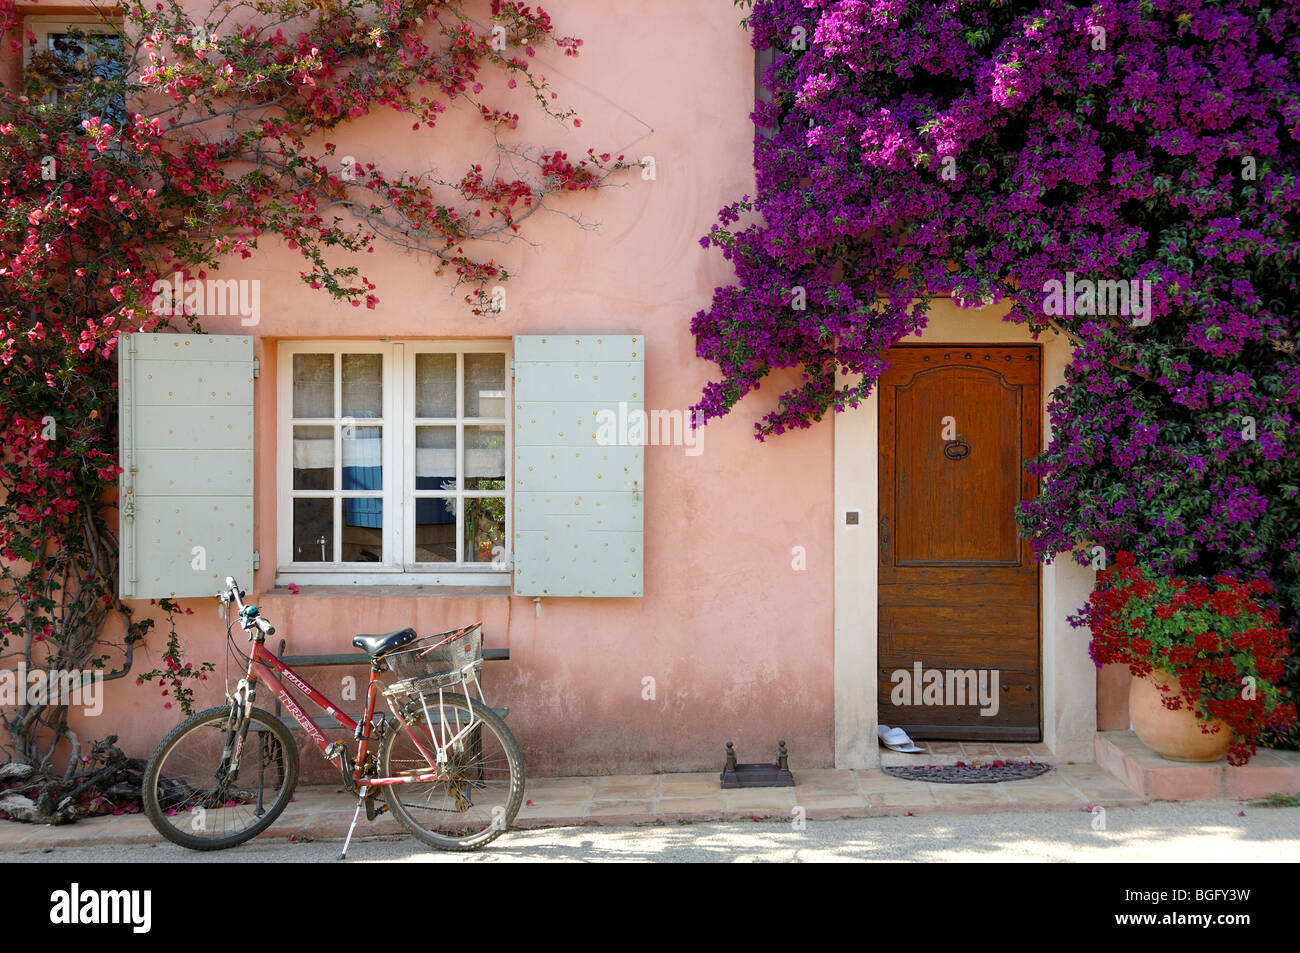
1174	735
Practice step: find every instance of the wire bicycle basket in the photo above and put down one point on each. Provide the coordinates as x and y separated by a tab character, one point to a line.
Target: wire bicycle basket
424	669
437	661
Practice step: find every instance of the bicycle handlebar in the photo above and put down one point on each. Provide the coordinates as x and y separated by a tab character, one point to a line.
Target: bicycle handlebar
232	593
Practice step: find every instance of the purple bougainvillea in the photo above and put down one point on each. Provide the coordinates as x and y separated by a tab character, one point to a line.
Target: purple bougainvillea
1121	173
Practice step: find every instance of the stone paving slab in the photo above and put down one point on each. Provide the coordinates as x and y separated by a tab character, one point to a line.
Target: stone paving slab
825	782
644	786
760	801
877	782
970	793
832	805
1013	752
689	785
325	812
557	813
1043	794
912	796
563	789
699	807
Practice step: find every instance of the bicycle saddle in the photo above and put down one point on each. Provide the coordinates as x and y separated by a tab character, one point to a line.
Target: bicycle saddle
377	645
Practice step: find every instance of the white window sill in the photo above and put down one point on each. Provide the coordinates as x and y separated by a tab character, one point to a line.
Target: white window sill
396	581
385	592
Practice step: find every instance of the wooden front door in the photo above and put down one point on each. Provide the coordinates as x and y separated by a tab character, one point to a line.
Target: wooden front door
959	590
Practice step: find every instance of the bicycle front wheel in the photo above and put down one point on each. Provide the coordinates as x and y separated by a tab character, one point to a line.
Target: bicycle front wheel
484	786
202	794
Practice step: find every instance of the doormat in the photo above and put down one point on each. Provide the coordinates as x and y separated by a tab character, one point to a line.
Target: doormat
976	773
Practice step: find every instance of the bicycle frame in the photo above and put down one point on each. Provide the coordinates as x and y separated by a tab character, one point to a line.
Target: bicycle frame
265	666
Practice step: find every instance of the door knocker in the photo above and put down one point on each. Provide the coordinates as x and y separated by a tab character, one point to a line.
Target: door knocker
957	449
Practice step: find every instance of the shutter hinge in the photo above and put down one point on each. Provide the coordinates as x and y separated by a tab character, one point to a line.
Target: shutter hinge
257	559
257	368
512	367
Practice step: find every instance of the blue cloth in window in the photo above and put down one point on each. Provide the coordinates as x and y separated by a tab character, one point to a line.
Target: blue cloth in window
433	512
368	513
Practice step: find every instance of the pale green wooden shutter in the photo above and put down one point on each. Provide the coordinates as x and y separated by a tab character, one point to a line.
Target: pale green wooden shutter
186	443
578	504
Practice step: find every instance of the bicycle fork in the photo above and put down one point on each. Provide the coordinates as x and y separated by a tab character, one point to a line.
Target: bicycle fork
241	706
241	710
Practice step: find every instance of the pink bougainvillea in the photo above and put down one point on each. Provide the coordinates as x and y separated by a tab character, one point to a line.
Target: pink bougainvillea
170	145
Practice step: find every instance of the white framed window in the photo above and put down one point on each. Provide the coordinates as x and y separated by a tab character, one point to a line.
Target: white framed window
393	462
73	52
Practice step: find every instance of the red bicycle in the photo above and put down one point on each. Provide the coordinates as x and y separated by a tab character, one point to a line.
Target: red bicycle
448	767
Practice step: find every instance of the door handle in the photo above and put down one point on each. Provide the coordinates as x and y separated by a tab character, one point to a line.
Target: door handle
884	535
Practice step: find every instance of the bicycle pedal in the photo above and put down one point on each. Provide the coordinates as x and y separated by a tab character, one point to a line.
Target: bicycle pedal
374	810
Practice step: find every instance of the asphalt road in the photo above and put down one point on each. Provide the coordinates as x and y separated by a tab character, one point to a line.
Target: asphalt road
1177	833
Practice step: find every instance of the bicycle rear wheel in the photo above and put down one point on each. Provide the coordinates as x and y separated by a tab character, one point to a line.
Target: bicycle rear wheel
485	785
197	798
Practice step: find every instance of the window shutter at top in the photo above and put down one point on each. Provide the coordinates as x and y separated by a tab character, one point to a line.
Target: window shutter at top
579	483
186	451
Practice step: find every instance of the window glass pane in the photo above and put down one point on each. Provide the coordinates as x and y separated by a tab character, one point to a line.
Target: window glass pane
80	66
435	458
435	385
313	458
363	385
313	531
69	51
485	529
485	385
485	458
363	530
363	458
313	385
435	531
446	458
435	469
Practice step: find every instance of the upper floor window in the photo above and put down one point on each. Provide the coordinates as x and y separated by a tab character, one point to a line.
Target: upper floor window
393	463
392	458
75	61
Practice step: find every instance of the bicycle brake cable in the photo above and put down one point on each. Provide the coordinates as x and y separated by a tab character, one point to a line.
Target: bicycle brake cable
227	659
231	646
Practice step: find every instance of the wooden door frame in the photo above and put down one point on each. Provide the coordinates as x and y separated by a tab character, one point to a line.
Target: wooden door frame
1068	704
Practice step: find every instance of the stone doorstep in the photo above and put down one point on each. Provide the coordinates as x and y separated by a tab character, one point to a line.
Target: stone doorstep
1154	778
950	752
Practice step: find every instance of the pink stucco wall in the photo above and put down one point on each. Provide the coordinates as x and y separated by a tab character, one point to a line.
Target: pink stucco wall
738	642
